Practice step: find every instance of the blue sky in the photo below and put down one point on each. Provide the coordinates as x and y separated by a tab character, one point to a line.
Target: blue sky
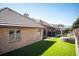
51	12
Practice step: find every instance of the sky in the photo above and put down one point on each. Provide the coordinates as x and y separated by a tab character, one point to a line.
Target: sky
53	13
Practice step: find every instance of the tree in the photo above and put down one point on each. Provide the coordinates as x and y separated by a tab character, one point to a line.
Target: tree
67	30
76	24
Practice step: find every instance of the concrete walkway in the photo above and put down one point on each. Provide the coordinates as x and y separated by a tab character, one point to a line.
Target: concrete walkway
49	38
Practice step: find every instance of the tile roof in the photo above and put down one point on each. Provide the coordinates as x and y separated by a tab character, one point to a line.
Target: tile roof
16	20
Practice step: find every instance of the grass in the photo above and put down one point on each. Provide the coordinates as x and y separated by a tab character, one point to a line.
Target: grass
51	47
60	48
34	49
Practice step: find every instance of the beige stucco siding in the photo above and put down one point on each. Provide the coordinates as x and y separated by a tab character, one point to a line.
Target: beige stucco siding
28	36
4	39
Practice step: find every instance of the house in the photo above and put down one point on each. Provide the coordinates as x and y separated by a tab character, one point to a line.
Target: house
46	28
59	28
49	30
17	30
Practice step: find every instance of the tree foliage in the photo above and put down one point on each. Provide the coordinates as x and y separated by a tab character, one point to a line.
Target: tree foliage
76	24
67	30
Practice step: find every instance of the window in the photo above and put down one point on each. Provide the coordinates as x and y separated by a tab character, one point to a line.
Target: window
11	33
18	36
14	34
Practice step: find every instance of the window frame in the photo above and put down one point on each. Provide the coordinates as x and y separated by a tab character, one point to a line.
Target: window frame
15	34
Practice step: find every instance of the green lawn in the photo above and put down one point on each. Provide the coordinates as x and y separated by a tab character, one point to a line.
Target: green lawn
52	47
60	48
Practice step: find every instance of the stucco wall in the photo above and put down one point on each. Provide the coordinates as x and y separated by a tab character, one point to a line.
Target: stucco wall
76	31
28	36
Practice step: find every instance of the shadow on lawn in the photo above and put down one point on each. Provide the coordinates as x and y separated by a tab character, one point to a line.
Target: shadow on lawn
35	49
